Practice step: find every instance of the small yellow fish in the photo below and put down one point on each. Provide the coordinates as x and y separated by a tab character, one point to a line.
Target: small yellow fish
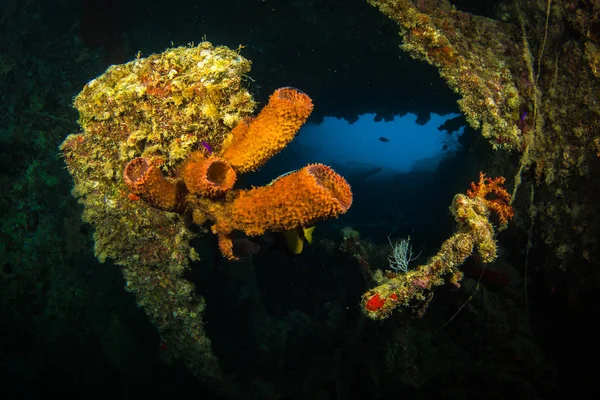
295	238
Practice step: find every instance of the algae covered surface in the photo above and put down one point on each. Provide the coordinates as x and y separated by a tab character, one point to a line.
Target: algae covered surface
529	80
161	108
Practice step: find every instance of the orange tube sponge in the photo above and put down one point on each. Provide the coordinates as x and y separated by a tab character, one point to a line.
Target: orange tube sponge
314	193
254	141
226	247
207	176
148	182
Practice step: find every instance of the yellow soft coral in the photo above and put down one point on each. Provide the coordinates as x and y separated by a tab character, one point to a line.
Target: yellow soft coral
203	184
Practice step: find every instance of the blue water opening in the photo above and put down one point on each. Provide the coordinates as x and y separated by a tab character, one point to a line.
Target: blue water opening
397	146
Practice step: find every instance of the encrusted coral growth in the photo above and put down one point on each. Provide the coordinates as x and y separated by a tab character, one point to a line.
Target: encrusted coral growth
474	233
155	111
161	108
140	170
254	141
479	58
530	81
179	322
584	16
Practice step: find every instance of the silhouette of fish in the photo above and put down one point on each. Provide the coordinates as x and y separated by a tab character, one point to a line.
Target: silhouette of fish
244	247
383	139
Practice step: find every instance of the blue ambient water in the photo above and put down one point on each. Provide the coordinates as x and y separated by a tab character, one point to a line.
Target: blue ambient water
397	146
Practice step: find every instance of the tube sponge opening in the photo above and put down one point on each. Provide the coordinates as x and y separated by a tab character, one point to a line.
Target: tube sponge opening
209	177
148	182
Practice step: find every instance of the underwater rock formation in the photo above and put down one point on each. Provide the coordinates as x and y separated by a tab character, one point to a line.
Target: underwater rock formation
164	138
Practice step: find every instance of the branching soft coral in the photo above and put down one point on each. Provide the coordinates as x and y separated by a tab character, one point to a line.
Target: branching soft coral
500	204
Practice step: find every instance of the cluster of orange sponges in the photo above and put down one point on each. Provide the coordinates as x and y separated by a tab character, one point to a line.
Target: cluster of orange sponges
203	184
147	181
254	141
204	176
